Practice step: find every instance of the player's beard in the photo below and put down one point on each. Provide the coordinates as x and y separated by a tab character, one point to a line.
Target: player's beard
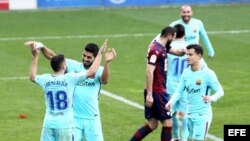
186	19
86	64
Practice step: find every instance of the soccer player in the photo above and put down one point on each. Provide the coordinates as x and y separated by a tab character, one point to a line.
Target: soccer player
155	95
194	29
58	92
86	94
176	65
196	81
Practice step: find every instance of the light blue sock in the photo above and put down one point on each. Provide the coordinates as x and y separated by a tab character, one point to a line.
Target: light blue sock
175	126
184	131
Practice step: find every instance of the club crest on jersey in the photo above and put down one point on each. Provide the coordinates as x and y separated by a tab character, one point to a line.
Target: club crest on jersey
194	30
198	82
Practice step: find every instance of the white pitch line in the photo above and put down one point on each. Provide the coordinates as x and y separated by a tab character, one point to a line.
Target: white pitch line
77	37
14	78
122	99
108	36
116	97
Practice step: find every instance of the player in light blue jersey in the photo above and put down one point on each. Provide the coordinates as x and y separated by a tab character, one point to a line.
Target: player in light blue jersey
176	65
194	29
197	82
86	95
58	92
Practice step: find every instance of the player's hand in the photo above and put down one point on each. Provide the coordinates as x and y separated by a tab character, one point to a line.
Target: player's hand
149	101
104	46
110	55
35	52
168	106
34	45
207	99
30	44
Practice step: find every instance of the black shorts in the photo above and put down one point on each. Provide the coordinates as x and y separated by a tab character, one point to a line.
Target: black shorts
157	110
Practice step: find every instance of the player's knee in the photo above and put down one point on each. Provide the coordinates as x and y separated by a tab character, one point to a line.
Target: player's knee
153	125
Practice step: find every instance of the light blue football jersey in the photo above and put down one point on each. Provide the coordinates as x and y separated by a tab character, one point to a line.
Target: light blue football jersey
197	84
86	94
195	30
58	93
176	65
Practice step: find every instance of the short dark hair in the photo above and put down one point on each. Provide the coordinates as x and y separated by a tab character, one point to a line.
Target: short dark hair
56	62
166	31
197	48
93	48
180	30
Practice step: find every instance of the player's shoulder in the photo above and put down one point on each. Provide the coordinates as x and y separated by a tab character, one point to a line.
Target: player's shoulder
154	46
45	75
187	71
70	74
207	70
197	21
68	61
179	21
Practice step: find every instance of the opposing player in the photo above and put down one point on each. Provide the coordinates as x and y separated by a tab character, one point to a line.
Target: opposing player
196	81
155	95
58	92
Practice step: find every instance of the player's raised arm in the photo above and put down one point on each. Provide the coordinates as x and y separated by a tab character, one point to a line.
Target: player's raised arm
109	56
47	52
33	67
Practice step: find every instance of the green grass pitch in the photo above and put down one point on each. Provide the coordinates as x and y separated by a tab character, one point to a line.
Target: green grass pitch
129	30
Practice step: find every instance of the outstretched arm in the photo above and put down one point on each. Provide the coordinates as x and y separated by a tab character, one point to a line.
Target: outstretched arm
33	67
177	52
47	53
109	56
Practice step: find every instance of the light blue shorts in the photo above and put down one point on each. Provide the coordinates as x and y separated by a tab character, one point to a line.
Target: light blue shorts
88	129
50	134
198	125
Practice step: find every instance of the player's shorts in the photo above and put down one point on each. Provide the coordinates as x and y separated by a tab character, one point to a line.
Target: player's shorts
198	125
180	105
50	134
88	129
157	110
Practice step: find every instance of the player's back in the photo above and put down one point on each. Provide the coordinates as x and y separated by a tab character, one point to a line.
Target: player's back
176	65
58	93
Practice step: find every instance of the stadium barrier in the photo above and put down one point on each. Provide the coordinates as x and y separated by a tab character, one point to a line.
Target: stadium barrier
34	4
